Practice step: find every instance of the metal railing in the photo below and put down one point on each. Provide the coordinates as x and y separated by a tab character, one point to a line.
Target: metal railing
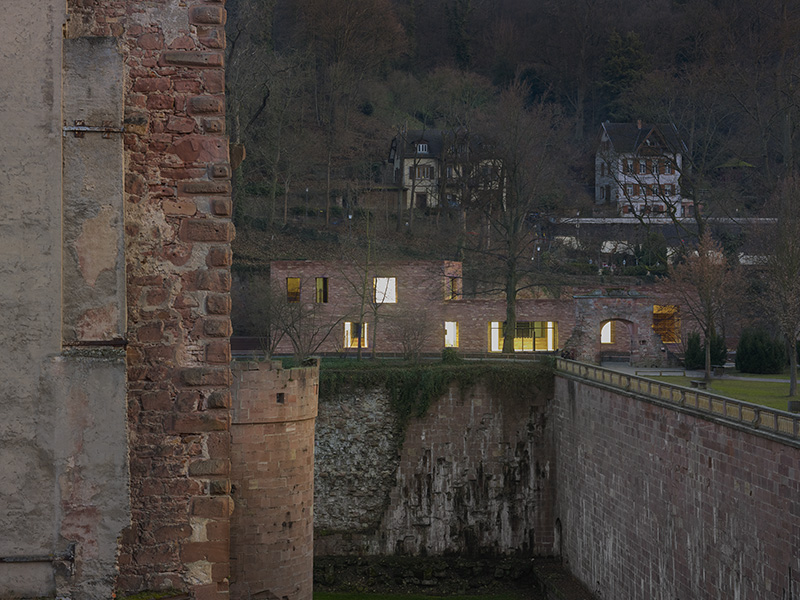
761	419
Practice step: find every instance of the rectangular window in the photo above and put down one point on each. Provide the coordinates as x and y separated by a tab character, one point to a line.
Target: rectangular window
452	290
385	290
322	290
293	289
451	334
629	166
667	323
352	332
642	167
422	147
420	172
529	336
629	189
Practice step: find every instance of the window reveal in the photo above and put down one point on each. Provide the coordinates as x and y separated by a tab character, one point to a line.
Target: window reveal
667	323
451	334
385	290
322	290
352	332
293	289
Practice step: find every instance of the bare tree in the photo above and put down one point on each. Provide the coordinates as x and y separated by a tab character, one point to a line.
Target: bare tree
704	284
414	329
522	175
782	270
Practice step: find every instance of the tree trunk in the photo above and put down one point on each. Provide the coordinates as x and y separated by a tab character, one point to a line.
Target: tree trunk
708	357
328	191
510	330
792	343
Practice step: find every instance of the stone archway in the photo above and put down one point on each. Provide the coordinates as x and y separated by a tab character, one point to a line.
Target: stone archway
617	340
631	313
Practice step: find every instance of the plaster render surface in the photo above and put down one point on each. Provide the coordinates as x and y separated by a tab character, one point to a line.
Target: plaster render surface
94	274
30	270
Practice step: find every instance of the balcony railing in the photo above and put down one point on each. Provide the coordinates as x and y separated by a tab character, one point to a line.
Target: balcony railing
776	424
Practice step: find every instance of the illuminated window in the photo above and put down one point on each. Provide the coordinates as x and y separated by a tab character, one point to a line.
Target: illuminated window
322	290
607	333
352	332
385	290
667	323
451	334
452	289
529	336
420	172
293	289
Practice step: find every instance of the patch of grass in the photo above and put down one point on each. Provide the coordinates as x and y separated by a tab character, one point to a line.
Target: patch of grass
365	596
773	394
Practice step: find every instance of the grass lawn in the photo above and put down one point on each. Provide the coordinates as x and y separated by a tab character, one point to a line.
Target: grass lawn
773	394
361	596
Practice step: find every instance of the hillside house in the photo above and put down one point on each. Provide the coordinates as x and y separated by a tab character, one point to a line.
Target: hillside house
435	167
638	168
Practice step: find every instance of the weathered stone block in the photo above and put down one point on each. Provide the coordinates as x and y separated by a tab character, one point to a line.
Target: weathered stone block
218	304
210	467
203	376
186	58
206	230
204	187
206	105
207	15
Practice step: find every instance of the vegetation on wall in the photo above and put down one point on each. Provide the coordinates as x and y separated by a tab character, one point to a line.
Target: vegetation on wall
413	387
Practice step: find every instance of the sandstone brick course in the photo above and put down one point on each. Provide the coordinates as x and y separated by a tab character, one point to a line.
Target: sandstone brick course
272	458
707	503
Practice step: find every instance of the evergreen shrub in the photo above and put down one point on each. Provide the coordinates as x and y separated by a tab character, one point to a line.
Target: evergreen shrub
695	357
759	352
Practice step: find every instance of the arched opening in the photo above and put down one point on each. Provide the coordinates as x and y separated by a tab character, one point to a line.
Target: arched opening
616	340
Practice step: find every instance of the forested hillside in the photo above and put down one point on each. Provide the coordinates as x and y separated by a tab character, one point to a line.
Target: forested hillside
318	88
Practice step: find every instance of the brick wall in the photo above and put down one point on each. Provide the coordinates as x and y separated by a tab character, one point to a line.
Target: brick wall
421	291
658	503
273	478
178	231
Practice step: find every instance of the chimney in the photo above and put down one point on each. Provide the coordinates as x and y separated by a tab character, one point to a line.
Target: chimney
639	123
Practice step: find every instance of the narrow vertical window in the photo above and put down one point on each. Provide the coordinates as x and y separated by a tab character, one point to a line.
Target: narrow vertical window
293	289
451	334
607	333
322	290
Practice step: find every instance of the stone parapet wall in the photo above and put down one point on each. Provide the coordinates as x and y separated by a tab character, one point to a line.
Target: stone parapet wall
659	503
272	451
472	476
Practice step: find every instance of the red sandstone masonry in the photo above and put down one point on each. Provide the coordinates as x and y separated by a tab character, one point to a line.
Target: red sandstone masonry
273	474
178	374
658	503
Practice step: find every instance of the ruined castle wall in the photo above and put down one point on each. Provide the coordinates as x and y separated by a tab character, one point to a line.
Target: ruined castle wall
657	503
473	476
177	231
272	450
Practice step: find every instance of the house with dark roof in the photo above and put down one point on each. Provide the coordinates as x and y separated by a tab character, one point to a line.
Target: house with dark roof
638	168
433	167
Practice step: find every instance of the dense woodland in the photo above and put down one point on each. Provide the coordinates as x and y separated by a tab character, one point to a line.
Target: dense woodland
317	89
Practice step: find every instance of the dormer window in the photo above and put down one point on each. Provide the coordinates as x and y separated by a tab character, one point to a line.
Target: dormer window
422	147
